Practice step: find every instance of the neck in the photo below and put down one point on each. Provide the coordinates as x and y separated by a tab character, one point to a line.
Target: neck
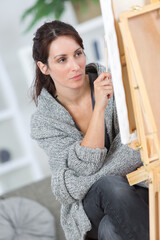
72	97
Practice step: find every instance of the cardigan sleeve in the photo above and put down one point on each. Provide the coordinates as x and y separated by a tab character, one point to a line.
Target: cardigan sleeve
82	160
61	142
70	186
119	161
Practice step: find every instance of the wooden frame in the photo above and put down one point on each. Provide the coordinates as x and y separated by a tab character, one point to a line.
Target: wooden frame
145	107
155	1
148	129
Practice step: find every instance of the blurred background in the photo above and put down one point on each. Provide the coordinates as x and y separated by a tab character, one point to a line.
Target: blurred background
21	160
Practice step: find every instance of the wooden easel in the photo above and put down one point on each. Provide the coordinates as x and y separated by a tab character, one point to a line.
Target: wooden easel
147	126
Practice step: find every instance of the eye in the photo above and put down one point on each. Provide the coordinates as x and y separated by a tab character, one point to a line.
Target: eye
61	60
78	53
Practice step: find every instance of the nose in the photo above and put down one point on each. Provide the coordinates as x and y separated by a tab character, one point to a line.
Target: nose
75	65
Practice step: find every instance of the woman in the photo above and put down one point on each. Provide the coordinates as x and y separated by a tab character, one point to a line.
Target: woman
76	124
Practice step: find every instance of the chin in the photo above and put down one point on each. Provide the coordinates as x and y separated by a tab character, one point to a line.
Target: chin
78	84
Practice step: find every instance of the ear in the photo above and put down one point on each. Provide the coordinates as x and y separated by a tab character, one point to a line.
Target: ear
43	67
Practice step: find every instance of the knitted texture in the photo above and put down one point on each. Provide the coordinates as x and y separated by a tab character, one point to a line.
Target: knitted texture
75	168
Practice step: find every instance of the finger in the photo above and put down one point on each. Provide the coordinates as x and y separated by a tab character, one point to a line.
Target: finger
106	76
107	92
110	94
108	89
106	82
103	76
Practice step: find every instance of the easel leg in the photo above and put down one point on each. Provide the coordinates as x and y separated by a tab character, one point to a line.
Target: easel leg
153	206
159	202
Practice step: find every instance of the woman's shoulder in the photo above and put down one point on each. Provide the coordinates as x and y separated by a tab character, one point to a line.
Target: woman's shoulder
47	104
49	115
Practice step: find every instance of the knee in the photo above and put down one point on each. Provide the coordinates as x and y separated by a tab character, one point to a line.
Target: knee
111	183
113	187
111	179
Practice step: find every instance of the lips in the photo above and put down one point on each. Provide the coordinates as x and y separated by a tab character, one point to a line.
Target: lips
77	77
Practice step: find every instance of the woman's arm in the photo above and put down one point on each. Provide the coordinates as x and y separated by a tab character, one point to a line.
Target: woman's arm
70	185
103	90
71	176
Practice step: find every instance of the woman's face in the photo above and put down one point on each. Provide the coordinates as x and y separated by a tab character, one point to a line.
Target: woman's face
66	63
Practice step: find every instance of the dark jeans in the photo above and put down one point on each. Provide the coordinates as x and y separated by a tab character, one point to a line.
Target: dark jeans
116	210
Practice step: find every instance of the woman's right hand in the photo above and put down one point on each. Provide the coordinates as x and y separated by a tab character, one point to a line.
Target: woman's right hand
103	90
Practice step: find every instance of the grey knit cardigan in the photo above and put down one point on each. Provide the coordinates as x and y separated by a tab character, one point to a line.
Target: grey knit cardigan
75	168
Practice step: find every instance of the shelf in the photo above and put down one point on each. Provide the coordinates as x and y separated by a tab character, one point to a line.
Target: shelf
13	165
18	165
11	140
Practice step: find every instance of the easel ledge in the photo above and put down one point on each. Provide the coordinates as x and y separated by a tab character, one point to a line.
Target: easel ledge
143	173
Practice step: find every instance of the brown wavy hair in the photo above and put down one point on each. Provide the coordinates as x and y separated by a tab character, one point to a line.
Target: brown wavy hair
44	36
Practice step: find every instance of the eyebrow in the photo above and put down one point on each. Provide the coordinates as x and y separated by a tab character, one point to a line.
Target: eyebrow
64	55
